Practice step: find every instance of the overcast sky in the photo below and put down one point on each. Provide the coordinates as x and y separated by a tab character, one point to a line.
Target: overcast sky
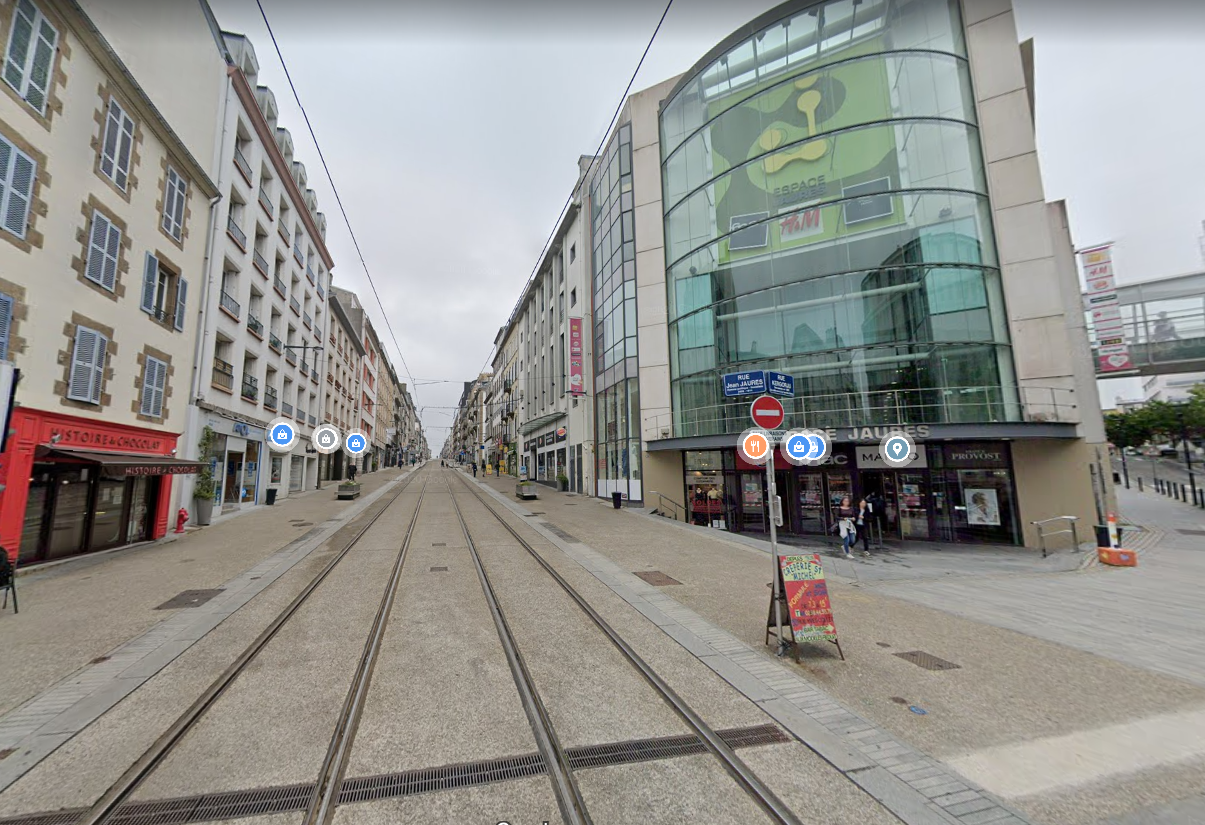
452	130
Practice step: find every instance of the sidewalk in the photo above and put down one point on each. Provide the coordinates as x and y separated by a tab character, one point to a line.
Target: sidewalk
1007	687
92	629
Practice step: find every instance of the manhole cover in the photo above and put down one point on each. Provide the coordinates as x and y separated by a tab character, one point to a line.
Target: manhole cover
439	570
440	544
189	598
1192	532
927	660
656	578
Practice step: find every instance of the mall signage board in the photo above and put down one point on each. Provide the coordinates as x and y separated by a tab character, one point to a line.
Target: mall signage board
1100	299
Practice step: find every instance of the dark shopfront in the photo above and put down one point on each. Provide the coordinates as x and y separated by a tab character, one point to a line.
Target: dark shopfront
952	492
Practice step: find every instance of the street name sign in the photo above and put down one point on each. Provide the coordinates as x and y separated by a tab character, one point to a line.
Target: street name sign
744	383
779	383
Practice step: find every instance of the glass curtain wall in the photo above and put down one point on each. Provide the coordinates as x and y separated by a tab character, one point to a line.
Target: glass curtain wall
826	215
617	402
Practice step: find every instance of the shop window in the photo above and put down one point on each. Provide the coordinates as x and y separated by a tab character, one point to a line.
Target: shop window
87	366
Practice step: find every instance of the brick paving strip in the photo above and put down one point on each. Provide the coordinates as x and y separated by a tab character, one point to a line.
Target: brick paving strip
35	729
916	788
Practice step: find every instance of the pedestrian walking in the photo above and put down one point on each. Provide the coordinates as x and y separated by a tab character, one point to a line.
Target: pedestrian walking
845	524
474	469
351	472
862	523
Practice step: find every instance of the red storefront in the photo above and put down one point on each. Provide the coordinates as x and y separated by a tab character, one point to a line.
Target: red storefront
74	485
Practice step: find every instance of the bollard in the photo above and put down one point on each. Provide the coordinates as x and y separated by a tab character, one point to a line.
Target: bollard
1140	484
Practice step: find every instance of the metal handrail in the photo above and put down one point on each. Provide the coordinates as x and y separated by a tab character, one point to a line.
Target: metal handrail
1042	534
661	500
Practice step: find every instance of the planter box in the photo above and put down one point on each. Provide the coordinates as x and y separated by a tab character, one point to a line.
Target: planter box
348	491
562	486
526	491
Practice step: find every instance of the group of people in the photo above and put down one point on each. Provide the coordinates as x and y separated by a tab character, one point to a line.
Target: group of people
854	522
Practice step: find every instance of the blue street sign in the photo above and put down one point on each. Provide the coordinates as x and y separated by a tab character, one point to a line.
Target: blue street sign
780	384
745	383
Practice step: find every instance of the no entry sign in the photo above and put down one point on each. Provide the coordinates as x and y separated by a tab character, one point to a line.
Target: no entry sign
767	412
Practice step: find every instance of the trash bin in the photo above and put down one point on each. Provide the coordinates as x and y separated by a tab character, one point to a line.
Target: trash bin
271	496
1102	535
617	499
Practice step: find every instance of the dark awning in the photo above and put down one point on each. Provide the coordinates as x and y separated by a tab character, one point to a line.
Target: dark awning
121	464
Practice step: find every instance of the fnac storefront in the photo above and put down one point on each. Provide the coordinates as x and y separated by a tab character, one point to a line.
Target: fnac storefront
74	485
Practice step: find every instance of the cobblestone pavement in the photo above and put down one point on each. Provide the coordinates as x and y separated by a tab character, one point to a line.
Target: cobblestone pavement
1034	683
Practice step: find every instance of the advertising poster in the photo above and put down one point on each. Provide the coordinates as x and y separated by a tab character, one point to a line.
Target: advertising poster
795	188
982	507
807	598
1100	299
576	385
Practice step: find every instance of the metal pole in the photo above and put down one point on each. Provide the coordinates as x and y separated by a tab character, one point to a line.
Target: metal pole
1192	482
771	497
1125	470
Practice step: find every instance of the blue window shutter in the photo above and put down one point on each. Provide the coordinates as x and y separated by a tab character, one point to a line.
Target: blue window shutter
150	280
181	302
6	322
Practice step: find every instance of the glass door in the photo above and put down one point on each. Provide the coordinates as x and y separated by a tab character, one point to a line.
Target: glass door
753	508
138	528
813	517
109	514
37	510
913	496
234	478
70	518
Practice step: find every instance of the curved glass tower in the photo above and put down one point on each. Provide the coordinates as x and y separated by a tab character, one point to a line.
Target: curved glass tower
826	216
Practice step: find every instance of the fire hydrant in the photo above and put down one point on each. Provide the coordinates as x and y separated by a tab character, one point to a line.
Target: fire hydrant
181	520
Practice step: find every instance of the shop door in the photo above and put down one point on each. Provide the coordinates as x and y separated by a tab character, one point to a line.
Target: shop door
109	513
883	483
250	473
913	495
38	509
69	519
753	507
142	500
234	480
839	486
784	480
813	516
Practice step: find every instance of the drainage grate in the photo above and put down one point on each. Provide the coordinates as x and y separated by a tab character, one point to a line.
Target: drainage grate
262	801
439	570
558	532
1191	532
303	524
656	578
440	544
533	513
927	660
189	598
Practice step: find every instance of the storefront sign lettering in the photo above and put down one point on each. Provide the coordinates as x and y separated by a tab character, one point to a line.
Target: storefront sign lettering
877	433
975	456
168	470
91	438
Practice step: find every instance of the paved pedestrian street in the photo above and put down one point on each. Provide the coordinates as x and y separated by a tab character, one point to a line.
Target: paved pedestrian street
685	715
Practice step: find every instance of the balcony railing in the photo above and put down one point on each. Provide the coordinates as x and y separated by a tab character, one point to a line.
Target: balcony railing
940	405
300	416
297	256
291	357
261	263
223	375
254	326
265	201
321	293
286	408
250	388
307	320
236	233
279	285
274	341
313	421
229	304
270	398
243	166
309	273
314	374
283	231
305	367
294	305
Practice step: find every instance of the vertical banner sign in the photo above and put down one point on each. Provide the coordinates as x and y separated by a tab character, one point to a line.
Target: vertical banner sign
576	387
808	606
1100	299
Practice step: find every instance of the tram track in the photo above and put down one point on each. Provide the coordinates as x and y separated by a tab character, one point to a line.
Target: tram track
108	808
560	767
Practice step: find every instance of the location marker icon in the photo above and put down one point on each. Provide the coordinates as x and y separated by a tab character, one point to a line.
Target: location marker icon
897	449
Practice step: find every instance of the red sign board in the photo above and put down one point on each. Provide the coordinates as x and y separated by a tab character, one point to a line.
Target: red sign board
767	412
576	385
808	606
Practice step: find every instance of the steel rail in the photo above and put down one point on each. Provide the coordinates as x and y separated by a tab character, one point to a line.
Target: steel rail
556	761
744	776
321	809
110	802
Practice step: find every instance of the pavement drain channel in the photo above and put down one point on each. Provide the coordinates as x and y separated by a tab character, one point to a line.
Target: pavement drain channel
289	798
189	598
657	578
927	660
439	570
440	544
559	533
1191	532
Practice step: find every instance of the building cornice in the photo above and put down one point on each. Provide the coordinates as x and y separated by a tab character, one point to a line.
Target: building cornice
247	96
111	64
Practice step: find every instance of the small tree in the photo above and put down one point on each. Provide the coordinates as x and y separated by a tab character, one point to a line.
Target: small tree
204	489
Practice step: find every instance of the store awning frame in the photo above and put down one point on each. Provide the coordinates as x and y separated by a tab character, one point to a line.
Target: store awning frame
120	464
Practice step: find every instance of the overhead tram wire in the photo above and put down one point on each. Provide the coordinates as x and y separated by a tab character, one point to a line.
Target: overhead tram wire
335	190
594	158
